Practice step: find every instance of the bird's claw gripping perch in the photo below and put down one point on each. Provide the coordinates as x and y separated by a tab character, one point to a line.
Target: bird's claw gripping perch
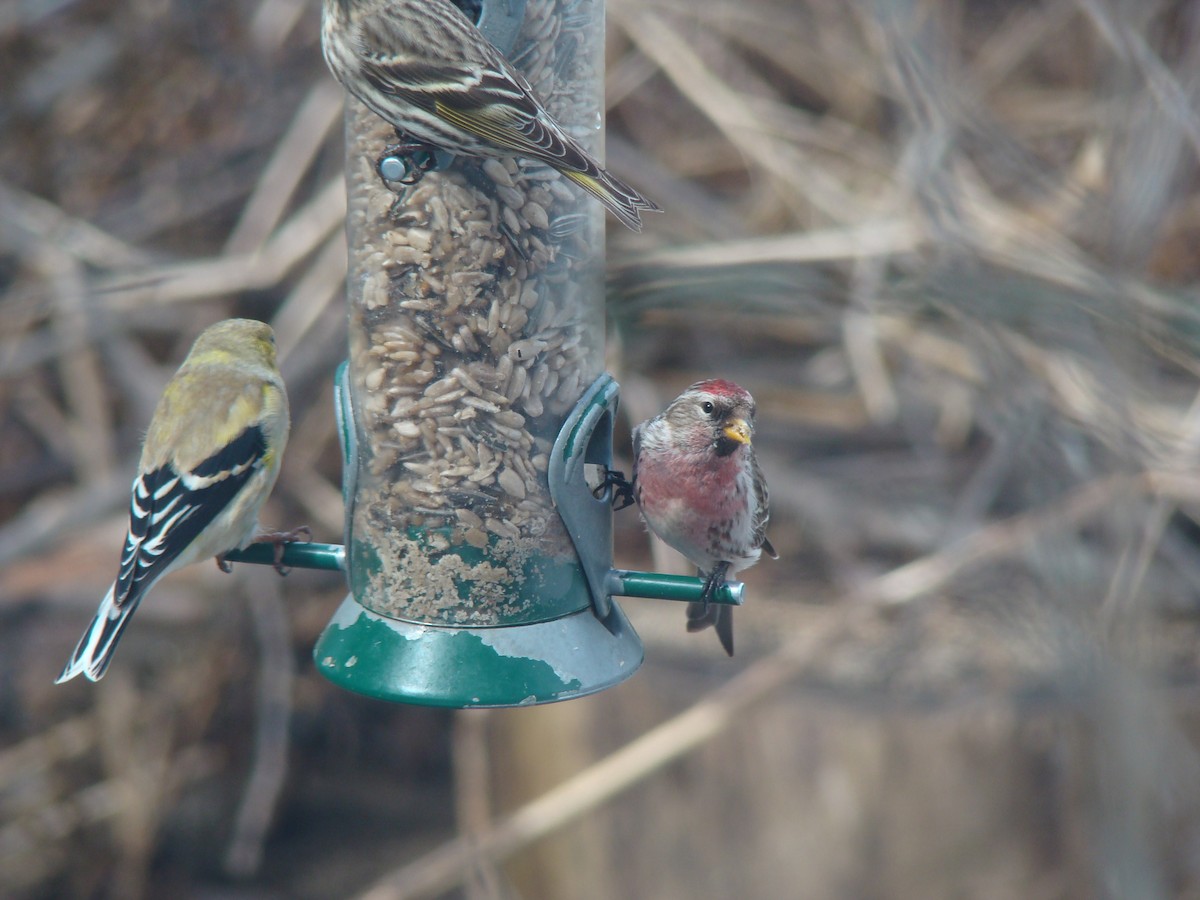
713	583
277	539
405	162
703	613
622	490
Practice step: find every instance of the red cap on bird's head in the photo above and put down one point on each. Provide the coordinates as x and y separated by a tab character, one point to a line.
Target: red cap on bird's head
719	387
713	410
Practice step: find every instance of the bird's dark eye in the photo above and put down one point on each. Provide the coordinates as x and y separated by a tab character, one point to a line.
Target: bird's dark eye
708	407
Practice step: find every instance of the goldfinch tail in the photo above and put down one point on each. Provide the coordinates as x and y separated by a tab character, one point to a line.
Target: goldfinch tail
623	201
95	649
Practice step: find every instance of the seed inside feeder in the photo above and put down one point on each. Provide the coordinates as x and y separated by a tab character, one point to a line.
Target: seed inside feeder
476	320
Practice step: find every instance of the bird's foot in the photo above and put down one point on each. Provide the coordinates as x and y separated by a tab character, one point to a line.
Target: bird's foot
713	583
278	539
703	613
405	162
622	490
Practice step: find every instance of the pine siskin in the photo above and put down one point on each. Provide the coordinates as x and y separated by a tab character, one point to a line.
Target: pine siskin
423	67
700	489
209	461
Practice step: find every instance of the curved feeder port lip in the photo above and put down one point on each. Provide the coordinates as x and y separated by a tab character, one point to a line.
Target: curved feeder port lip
586	439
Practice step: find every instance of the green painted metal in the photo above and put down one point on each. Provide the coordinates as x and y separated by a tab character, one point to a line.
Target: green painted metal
586	438
624	583
429	665
601	396
296	555
564	582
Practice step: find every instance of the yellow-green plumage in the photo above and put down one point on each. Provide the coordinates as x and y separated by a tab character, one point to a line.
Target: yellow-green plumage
209	461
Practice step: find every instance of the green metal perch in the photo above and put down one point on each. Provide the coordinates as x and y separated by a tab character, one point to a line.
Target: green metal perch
620	582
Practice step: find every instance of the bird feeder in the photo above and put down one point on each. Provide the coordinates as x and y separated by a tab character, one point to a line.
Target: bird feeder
476	326
472	407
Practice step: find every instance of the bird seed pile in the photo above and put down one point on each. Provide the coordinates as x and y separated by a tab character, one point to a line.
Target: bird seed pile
476	323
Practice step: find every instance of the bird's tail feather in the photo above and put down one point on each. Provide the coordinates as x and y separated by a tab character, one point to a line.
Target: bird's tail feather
95	649
718	615
624	202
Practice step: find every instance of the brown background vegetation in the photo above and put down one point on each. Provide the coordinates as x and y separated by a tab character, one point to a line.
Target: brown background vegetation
950	247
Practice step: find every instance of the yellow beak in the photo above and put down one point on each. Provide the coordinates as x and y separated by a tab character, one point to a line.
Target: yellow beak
738	430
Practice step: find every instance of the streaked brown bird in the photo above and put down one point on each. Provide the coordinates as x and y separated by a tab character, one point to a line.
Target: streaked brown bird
424	67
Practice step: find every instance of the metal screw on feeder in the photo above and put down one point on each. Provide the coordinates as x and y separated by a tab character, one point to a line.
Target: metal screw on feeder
479	563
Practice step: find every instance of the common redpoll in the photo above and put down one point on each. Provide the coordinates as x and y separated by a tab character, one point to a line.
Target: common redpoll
700	489
209	460
424	67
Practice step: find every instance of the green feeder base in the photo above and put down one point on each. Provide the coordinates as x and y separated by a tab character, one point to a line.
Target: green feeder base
514	665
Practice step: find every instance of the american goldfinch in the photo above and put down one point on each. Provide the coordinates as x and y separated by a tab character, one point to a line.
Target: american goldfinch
423	67
209	460
700	489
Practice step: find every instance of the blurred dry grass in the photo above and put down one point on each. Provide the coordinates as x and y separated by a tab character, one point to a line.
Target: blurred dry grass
950	247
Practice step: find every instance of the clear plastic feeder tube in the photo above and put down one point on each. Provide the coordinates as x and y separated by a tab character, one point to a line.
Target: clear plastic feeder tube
476	322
